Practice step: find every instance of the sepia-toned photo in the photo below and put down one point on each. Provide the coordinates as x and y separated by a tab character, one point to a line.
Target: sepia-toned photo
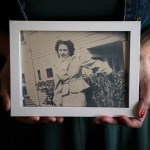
75	69
69	68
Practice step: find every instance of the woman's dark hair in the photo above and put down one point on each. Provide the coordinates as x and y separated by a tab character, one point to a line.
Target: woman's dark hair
68	43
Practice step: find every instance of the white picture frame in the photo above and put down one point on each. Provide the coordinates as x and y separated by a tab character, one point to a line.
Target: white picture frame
30	37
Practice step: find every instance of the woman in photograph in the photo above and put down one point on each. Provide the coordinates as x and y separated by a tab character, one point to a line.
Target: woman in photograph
69	83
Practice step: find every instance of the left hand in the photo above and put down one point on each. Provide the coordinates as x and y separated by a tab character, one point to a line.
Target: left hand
144	101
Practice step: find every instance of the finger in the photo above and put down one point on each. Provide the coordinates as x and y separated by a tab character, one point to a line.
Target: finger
48	119
60	119
131	122
105	120
51	119
142	108
28	120
144	88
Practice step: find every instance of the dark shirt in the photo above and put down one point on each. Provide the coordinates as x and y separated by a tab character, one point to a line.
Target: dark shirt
75	10
9	10
97	10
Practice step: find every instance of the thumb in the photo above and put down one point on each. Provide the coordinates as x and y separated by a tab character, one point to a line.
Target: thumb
142	107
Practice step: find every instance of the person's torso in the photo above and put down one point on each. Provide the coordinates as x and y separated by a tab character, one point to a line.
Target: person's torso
74	9
87	10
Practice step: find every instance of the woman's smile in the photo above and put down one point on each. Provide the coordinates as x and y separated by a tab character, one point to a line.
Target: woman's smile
63	51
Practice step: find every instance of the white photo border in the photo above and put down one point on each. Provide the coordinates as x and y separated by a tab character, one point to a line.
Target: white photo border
15	63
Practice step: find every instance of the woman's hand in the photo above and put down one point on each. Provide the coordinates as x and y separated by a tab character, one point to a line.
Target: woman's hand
5	85
129	122
144	101
5	94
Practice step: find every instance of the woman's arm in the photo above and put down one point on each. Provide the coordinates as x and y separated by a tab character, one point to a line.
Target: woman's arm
96	65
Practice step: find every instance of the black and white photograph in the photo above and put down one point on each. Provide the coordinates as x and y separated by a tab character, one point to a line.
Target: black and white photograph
74	68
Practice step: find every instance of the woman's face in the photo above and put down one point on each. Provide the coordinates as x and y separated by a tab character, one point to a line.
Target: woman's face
63	51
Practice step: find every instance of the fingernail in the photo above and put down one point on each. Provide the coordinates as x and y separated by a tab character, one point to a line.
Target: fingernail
143	113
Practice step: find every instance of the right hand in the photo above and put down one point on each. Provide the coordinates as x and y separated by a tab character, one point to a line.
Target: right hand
5	94
5	85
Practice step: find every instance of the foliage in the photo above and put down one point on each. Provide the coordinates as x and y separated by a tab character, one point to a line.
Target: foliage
47	87
105	90
109	90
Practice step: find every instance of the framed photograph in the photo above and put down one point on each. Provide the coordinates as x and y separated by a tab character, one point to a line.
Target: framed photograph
74	68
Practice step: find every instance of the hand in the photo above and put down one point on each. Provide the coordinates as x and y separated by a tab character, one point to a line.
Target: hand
135	122
38	119
5	85
5	94
144	101
5	73
127	121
